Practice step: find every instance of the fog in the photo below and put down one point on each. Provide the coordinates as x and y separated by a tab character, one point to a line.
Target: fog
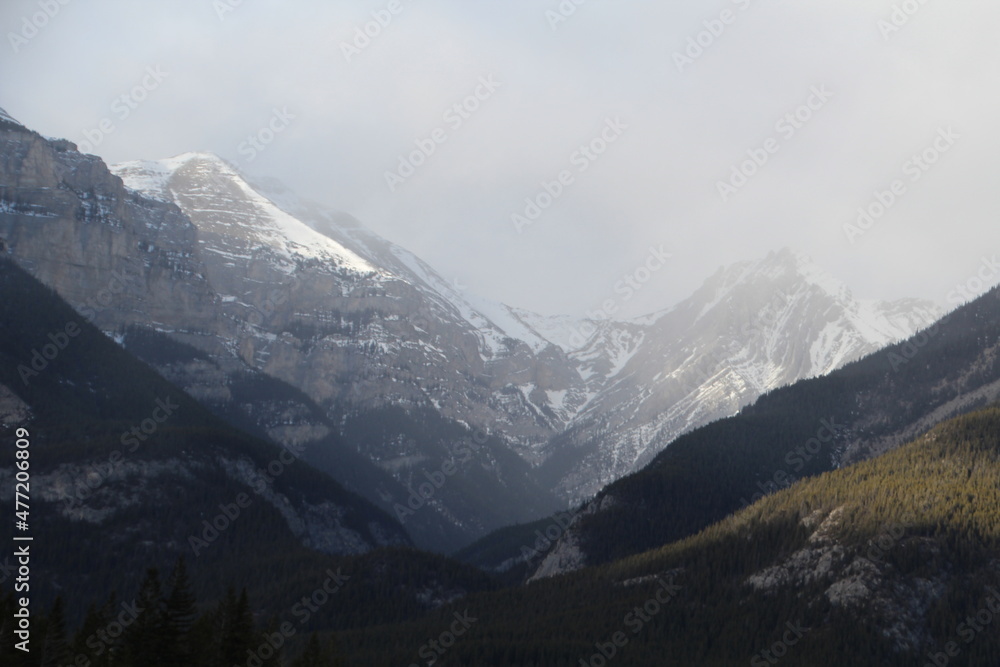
535	152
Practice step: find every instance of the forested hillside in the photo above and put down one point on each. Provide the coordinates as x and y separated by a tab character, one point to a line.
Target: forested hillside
884	563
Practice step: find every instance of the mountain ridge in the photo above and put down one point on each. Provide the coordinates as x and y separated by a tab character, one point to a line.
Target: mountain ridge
596	376
308	296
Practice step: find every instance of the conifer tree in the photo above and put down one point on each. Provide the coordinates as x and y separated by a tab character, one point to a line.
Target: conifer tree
97	652
237	628
147	638
55	645
272	630
313	655
181	614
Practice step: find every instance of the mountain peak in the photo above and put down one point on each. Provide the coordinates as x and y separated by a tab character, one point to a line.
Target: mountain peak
785	268
774	267
204	157
150	177
793	260
7	117
787	260
231	213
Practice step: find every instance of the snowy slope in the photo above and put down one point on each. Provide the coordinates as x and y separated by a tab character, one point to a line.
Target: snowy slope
230	207
253	235
493	322
589	401
7	117
750	328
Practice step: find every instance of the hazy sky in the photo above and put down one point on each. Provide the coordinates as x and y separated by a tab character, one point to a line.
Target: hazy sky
882	88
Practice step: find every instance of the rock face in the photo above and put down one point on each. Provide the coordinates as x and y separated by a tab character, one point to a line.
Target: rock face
347	317
258	291
116	256
264	282
858	580
589	401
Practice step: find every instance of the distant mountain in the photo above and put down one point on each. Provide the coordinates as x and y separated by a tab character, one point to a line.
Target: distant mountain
361	327
170	329
398	369
857	412
605	397
751	328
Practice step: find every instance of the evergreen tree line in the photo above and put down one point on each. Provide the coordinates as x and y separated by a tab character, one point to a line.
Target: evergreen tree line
162	626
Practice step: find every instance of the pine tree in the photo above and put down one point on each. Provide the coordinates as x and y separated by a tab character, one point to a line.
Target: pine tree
97	653
237	628
272	630
180	616
147	639
313	655
55	646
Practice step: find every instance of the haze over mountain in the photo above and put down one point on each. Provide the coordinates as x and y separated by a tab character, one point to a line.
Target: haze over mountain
355	118
264	282
559	334
426	415
638	383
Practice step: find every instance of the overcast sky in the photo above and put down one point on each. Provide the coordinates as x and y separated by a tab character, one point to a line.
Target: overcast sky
881	92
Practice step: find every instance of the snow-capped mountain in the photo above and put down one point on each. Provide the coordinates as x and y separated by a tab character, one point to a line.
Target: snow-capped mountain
436	344
4	116
493	322
233	219
587	401
394	357
750	328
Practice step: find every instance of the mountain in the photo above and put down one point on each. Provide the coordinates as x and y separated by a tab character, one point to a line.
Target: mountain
259	291
392	374
213	368
860	411
6	118
413	378
751	328
591	401
894	561
118	451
